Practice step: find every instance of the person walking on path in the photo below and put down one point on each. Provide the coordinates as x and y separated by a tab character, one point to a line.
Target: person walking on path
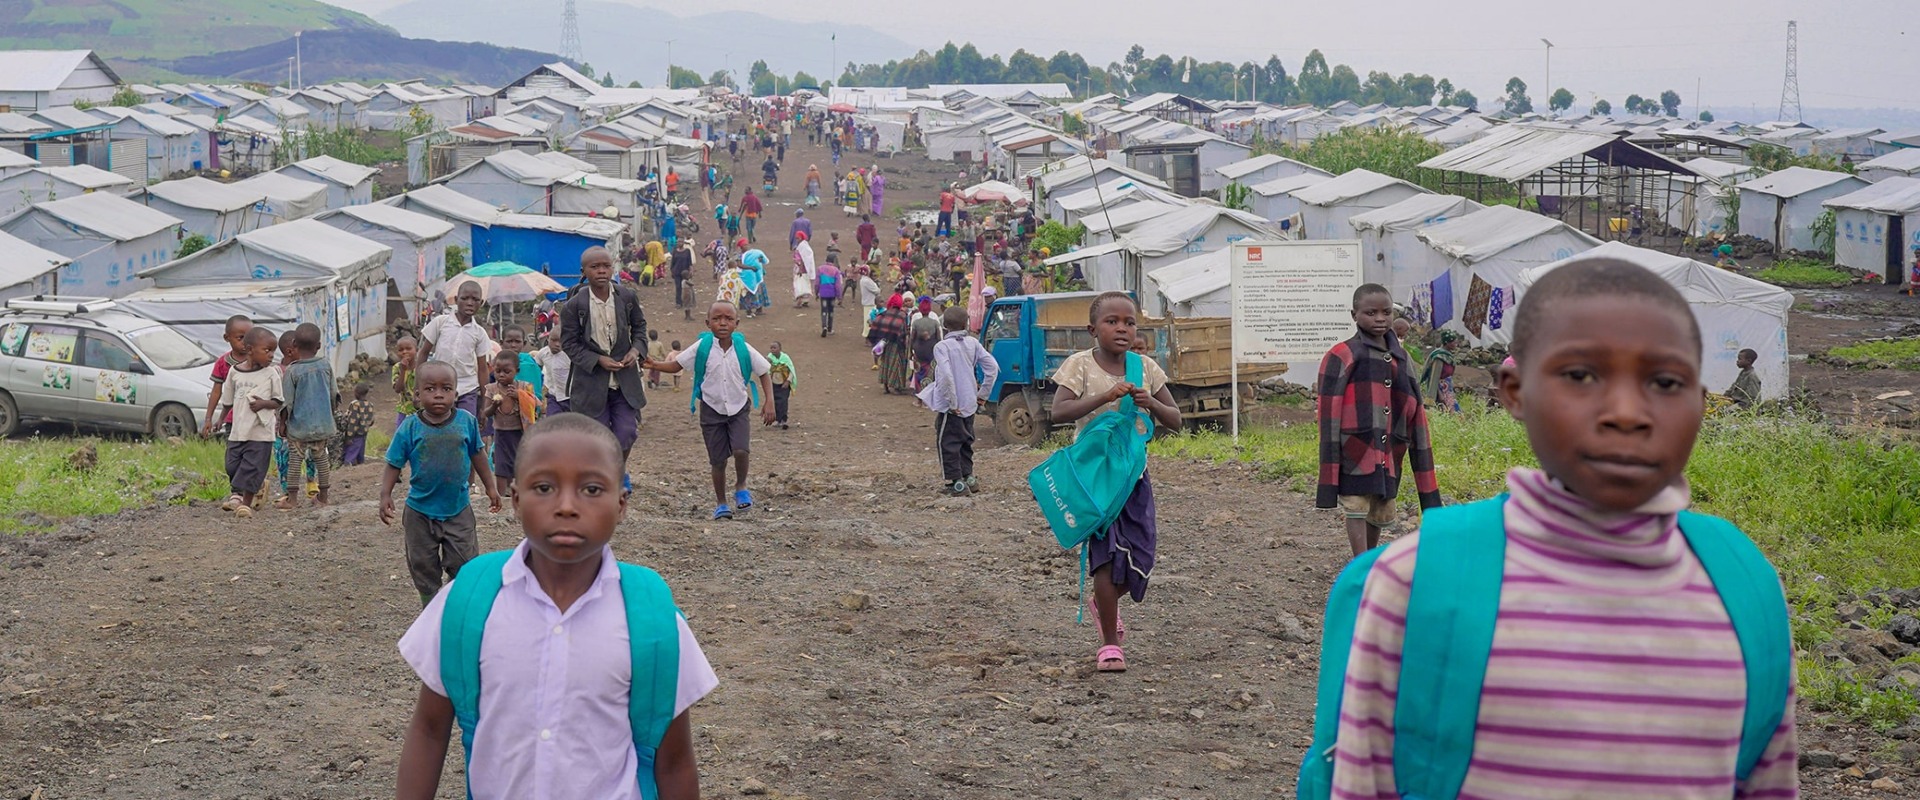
867	236
750	209
963	375
804	270
785	379
801	227
813	185
890	332
602	330
877	186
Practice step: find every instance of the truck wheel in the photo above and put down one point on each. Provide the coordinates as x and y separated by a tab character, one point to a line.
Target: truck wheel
172	419
9	415
1017	423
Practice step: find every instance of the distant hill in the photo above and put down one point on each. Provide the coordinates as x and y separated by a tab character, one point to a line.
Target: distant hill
362	55
124	30
630	41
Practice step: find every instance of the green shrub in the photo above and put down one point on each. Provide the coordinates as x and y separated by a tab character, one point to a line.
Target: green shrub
1802	273
1895	354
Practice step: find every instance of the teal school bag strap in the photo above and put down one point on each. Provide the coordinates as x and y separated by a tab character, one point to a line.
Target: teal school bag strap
463	623
740	351
653	632
1336	643
1749	587
700	350
1451	611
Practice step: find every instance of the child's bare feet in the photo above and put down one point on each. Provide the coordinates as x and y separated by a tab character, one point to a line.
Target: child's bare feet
320	499
285	504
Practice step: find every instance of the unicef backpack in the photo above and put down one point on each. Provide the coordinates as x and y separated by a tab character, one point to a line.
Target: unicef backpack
653	630
1082	487
700	352
1451	610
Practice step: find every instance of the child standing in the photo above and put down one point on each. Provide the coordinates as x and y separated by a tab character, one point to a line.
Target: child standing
1639	649
514	340
359	420
1089	383
559	597
673	352
402	378
439	447
462	342
255	384
555	370
1370	417
1745	390
310	395
723	364
509	404
827	288
955	394
656	351
234	335
781	373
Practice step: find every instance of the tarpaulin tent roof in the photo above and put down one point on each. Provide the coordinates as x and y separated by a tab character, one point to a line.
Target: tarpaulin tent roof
1417	211
1291	183
1120	219
1718	171
67	117
109	215
22	261
10	159
1113	191
1487	232
1906	160
299	249
525	168
418	227
343	173
86	176
447	202
565	161
165	126
1893	196
1085	253
595	227
1516	152
1348	186
1793	181
1172	232
15	122
1074	169
1238	169
290	197
45	70
1195	277
200	193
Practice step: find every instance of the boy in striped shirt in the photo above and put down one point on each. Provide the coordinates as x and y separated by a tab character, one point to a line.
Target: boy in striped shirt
1614	669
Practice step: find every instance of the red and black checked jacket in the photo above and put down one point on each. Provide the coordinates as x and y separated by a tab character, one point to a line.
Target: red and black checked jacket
1370	416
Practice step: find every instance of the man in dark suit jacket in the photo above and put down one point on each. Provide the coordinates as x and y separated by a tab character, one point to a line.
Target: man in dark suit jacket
606	382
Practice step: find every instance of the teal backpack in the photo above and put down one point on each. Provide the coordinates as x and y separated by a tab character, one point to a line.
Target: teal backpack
1450	621
652	627
705	346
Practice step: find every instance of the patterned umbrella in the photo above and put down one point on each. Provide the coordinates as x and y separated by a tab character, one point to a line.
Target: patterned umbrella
505	282
994	192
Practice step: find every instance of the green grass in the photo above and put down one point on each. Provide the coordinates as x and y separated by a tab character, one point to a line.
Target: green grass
43	487
1803	273
1837	513
1896	353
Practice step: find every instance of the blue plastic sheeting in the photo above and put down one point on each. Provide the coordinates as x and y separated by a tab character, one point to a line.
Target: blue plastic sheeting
555	253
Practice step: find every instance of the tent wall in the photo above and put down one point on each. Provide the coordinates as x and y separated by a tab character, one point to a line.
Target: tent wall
410	259
555	253
1502	271
215	225
1330	222
490	186
1864	240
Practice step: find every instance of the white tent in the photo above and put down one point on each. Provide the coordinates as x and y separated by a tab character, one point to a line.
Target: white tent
1111	195
1173	237
1903	163
1274	200
348	184
23	187
1781	207
336	279
1196	286
1877	229
1492	245
27	269
1391	254
1735	312
218	211
419	245
1326	206
109	238
288	198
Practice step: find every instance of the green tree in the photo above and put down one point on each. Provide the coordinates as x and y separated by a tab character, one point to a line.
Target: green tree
682	78
1636	104
1390	151
1516	101
1670	103
1561	100
1465	99
1706	116
1343	84
1445	88
1234	195
720	77
801	78
587	70
194	243
1601	107
1315	79
126	98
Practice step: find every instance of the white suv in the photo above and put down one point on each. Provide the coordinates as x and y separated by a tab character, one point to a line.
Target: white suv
81	360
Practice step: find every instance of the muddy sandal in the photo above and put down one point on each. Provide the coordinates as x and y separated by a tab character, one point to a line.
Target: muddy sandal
232	502
1110	659
1093	610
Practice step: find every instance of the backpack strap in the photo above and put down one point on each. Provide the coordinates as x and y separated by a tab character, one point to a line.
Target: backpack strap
1336	644
463	622
741	351
700	350
1451	610
1757	606
653	632
1135	374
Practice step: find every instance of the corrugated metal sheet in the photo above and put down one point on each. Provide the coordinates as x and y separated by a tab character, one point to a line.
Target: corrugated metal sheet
1516	152
128	157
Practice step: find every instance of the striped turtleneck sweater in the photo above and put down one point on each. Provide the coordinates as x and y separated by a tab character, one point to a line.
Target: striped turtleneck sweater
1614	670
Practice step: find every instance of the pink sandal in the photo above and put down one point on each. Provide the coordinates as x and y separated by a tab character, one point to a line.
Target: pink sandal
1110	659
1093	610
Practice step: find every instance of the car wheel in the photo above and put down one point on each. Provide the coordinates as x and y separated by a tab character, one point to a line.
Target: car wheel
1017	423
172	419
9	415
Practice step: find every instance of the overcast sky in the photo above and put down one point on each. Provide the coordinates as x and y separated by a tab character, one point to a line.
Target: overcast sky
1853	53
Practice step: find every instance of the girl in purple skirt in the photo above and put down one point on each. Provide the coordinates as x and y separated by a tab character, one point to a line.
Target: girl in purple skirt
1088	384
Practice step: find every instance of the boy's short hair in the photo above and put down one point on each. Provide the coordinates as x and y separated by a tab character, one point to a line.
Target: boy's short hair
289	339
570	422
513	329
1093	309
420	375
1750	353
954	318
235	320
360	391
306	337
256	334
1367	290
407	339
504	357
1596	277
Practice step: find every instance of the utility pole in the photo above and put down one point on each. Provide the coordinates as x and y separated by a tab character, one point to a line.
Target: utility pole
570	34
670	64
1790	91
1696	98
299	69
1547	90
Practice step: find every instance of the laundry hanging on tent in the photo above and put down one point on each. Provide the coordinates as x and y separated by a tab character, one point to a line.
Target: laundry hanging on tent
1496	308
1479	298
1421	304
1441	290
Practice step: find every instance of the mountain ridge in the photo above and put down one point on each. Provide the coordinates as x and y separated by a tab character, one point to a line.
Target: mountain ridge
128	30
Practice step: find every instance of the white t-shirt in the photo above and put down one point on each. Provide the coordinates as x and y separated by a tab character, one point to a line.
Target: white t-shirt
236	393
555	370
723	387
461	346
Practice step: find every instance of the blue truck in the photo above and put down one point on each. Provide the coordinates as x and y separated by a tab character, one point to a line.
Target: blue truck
1030	335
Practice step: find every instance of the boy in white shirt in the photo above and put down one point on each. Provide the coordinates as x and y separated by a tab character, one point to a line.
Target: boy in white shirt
555	370
461	341
254	385
722	362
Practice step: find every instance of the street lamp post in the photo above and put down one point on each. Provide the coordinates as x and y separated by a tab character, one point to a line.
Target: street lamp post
670	64
1548	89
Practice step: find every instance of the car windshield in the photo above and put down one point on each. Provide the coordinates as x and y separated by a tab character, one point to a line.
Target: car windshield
165	348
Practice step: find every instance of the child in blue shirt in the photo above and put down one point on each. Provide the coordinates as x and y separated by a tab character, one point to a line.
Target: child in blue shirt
440	446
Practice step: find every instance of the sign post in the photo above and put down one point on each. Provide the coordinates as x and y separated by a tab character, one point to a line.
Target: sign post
1291	302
